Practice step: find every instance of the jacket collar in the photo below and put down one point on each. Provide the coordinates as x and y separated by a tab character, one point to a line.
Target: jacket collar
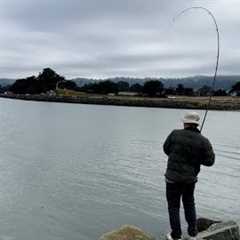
193	129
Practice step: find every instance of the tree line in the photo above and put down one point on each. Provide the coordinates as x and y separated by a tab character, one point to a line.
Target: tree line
48	80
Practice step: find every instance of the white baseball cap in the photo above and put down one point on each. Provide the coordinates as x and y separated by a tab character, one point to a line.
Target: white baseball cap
191	117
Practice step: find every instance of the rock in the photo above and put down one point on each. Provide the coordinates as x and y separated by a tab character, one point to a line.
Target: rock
127	232
221	231
212	230
204	223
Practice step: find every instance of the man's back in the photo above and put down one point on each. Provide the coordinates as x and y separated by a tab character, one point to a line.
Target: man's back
187	150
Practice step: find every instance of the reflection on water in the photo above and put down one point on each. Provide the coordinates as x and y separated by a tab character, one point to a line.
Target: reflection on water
76	171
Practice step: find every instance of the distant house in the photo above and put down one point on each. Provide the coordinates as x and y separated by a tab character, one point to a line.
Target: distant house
234	93
171	97
111	94
9	93
51	93
130	94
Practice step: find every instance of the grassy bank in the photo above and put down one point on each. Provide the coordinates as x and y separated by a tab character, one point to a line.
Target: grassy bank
218	103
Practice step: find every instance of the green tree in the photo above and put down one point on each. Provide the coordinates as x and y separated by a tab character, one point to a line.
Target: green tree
170	91
236	88
136	88
205	91
180	89
68	85
220	92
102	87
123	86
45	81
107	87
48	79
152	88
188	92
25	85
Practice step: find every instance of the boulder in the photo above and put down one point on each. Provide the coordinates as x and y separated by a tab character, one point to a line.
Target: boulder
204	223
127	232
221	231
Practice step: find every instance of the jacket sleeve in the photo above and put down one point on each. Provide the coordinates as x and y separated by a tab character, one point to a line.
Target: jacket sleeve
208	158
167	144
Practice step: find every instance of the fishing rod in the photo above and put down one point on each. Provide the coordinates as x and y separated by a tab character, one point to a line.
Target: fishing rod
217	56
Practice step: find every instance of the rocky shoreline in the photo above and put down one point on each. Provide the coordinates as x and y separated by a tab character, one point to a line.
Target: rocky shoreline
210	230
217	103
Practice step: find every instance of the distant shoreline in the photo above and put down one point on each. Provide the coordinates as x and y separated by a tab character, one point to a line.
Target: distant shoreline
180	102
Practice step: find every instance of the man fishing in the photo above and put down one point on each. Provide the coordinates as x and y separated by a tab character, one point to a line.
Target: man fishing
187	150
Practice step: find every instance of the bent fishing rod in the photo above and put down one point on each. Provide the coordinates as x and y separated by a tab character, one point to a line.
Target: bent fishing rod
217	56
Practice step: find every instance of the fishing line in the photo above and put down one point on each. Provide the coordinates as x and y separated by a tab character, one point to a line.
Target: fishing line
217	56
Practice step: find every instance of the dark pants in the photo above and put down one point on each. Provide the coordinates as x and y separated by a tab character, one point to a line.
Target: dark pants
176	191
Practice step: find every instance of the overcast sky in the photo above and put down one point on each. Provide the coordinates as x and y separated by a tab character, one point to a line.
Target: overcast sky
107	38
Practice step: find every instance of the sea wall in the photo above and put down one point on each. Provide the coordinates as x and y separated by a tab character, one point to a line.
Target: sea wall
217	103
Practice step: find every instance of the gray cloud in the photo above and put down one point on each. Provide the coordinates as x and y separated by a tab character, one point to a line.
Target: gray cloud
93	38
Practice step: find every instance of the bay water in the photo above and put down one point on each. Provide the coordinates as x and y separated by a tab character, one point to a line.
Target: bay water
73	171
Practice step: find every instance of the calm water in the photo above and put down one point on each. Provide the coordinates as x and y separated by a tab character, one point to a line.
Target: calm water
76	171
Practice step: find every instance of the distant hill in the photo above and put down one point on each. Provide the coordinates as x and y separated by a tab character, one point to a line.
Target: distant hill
6	81
223	82
82	81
